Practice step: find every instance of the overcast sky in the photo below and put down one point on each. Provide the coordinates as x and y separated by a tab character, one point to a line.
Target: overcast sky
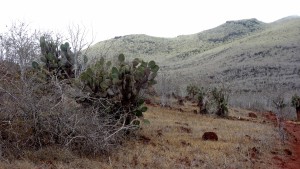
162	18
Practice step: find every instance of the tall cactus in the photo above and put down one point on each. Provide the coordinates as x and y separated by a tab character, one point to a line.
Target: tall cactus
67	59
50	54
55	62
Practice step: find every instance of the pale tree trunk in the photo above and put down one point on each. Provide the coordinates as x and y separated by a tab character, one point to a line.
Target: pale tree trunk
78	40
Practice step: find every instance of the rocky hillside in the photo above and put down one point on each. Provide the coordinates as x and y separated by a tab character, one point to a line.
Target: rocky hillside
248	56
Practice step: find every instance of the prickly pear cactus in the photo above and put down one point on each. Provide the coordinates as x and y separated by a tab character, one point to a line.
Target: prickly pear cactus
54	61
121	82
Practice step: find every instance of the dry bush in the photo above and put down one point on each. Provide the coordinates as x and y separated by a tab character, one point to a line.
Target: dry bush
36	114
165	88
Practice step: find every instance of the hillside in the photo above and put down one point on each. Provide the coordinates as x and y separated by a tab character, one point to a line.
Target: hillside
162	48
248	56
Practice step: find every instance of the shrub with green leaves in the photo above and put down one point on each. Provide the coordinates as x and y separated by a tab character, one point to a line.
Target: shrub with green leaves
296	104
296	101
220	98
192	90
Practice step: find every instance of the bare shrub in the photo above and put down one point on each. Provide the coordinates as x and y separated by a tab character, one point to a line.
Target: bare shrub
20	45
202	101
280	105
39	113
165	89
48	106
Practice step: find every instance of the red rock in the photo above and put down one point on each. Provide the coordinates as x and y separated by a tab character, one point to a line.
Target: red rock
148	101
210	136
253	152
287	152
181	102
253	115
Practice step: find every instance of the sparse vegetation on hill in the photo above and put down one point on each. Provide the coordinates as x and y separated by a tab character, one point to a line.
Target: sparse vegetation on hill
251	57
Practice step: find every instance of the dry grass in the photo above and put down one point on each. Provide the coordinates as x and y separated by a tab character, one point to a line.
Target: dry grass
173	140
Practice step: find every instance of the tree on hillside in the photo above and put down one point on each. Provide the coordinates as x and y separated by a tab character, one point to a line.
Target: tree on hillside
280	105
296	105
20	45
78	42
192	90
220	97
165	89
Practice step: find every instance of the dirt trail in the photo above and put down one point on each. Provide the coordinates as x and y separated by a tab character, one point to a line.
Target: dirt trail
292	160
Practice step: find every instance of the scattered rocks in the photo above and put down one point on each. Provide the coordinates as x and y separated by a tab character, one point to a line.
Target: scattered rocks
287	152
186	124
144	139
248	137
195	111
184	161
148	101
212	136
159	133
252	115
253	152
181	102
184	143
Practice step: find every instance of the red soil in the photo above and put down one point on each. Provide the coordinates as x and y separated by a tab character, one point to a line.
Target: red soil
294	140
292	158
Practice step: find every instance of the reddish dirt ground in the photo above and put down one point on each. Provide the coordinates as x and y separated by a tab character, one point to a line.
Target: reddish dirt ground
292	158
294	140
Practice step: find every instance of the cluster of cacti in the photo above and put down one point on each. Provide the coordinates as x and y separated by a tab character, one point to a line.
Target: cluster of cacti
96	78
221	99
55	62
121	83
192	90
211	99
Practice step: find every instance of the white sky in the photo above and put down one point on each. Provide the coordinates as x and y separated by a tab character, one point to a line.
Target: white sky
162	18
